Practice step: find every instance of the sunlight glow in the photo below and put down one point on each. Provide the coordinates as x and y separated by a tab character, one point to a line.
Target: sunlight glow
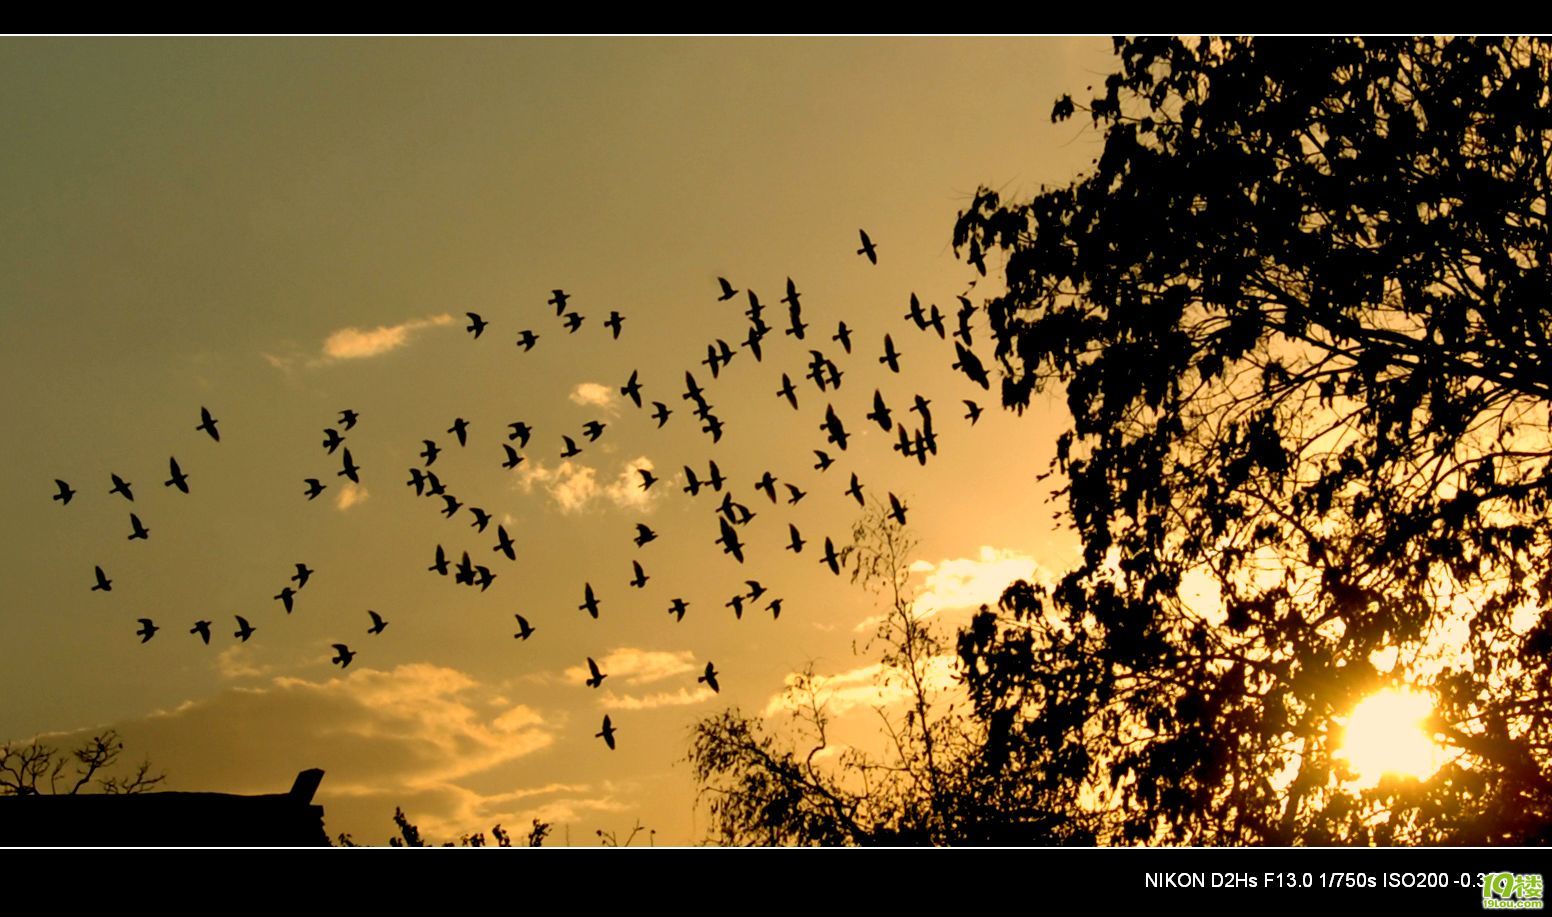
1385	734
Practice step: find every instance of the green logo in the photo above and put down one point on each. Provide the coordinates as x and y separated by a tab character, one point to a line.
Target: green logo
1512	891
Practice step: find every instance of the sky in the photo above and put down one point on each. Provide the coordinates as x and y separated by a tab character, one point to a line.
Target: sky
281	229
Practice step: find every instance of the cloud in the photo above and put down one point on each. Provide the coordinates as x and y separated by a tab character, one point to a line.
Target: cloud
866	687
682	697
356	344
626	491
632	666
574	486
967	582
595	394
236	661
349	495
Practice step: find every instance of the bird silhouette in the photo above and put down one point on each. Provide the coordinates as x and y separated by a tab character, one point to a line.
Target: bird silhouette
460	429
476	324
464	575
301	576
843	337
590	601
794	494
632	388
203	629
788	392
434	485
65	494
692	484
816	369
343	655
920	406
737	604
916	315
137	531
825	461
512	459
594	429
727	290
756	589
639	580
526	339
573	322
752	343
904	445
966	311
607	733
855	490
504	543
571	448
833	428
348	418
715	478
487	576
481	518
797	542
774	608
430	453
147	630
441	562
660	413
791	298
891	357
767	483
830	558
678	608
452	507
121	487
969	364
795	325
692	390
103	583
377	622
729	541
287	598
935	321
644	535
559	301
208	424
613	323
755	310
178	479
350	469
880	412
713	426
524	629
595	677
975	411
332	440
520	431
867	247
244	629
896	509
647	478
314	488
710	679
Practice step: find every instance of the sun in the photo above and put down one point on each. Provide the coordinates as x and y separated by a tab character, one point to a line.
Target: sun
1385	734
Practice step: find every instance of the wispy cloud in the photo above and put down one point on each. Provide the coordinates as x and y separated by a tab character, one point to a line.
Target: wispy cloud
358	343
866	687
575	486
967	582
680	698
632	666
626	492
350	494
596	394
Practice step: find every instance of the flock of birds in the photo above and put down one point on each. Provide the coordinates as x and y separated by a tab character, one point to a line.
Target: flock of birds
918	441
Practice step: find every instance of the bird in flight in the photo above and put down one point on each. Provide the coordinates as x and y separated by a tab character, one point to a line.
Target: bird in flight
460	429
287	596
103	583
710	679
737	604
121	487
350	470
147	630
788	392
178	479
486	576
208	424
891	357
970	365
593	429
481	518
301	576
430	453
825	461
692	484
714	427
512	459
756	589
65	493
203	629
843	337
833	428
855	491
975	411
795	324
868	247
692	390
678	608
916	315
767	483
441	562
775	608
796	544
348	418
639	580
452	505
465	574
343	655
715	480
729	541
613	323
632	388
571	448
660	413
794	494
644	534
527	339
573	322
524	629
727	290
752	343
559	301
647	478
935	322
966	310
504	543
244	629
476	325
332	440
314	488
880	412
589	601
595	677
896	509
377	622
520	430
138	531
607	733
830	558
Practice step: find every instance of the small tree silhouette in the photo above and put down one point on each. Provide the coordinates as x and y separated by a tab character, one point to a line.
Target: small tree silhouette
37	769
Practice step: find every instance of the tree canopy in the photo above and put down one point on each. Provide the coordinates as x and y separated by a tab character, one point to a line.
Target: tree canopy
1300	312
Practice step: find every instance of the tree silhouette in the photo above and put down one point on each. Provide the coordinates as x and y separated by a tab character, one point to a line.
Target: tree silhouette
35	769
1300	310
931	786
